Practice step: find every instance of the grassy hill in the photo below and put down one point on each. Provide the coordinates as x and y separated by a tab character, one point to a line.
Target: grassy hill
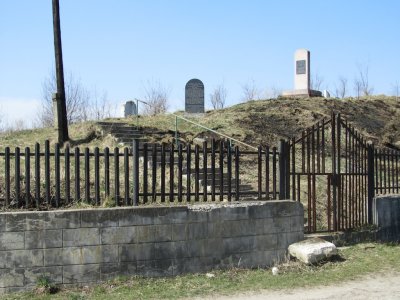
255	122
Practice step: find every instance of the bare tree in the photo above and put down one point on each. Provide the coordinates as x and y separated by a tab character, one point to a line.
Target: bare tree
218	97
273	92
100	107
316	82
396	89
357	87
341	88
250	91
77	101
363	79
156	96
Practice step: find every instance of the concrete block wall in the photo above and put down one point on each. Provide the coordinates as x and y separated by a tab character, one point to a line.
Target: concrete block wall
93	245
386	216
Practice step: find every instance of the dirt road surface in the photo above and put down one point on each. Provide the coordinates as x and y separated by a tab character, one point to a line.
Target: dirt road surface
378	286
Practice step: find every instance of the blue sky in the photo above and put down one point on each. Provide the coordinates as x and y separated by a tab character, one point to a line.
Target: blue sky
118	46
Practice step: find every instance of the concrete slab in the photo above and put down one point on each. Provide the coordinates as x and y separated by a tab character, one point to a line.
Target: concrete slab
312	250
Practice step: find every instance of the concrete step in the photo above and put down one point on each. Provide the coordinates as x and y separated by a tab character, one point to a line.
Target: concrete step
128	135
104	123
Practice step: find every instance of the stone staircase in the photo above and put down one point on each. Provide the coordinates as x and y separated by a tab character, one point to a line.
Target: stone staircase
122	132
207	180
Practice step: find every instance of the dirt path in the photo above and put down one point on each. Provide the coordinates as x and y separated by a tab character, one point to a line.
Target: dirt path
379	286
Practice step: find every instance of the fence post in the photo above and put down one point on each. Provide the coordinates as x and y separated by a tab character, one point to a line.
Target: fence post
135	172
371	181
282	169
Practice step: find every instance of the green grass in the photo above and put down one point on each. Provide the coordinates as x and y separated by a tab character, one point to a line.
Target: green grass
255	122
353	262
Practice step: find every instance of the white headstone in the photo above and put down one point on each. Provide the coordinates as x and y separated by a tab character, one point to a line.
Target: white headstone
302	76
326	94
302	69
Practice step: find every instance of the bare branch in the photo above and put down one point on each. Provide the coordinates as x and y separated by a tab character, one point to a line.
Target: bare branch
156	96
250	91
316	82
341	88
363	79
218	97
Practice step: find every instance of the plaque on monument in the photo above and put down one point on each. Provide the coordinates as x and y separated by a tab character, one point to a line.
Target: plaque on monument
194	96
301	67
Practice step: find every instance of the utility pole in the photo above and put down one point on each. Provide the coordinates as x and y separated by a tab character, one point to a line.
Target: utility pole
60	103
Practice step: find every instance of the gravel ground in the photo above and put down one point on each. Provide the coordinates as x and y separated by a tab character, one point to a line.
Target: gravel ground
373	286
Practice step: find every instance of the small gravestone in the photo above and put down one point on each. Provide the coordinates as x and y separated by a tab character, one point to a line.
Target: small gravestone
302	73
194	96
130	109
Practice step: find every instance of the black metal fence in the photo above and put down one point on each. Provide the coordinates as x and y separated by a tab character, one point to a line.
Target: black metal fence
150	173
386	171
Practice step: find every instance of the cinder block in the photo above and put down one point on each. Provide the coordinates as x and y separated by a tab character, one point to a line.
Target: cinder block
193	265
170	250
66	219
118	235
152	216
179	232
238	245
82	255
155	268
156	233
294	237
261	211
214	248
145	234
21	258
238	228
266	242
53	220
197	248
297	223
285	208
111	271
194	215
281	224
43	239
234	213
3	221
53	257
214	215
162	233
197	231
215	229
11	240
16	222
81	273
11	290
11	277
81	237
99	218
178	216
135	252
54	274
125	269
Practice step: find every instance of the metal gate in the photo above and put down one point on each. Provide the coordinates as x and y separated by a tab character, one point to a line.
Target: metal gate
328	171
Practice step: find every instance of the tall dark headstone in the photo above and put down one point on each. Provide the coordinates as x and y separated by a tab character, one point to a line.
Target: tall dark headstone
194	96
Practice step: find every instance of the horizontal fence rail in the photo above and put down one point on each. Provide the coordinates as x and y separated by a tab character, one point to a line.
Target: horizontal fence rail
151	173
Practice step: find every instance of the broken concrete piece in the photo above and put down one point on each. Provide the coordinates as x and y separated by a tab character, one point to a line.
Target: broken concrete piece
312	250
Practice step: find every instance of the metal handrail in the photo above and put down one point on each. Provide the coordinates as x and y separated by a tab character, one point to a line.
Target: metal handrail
196	124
